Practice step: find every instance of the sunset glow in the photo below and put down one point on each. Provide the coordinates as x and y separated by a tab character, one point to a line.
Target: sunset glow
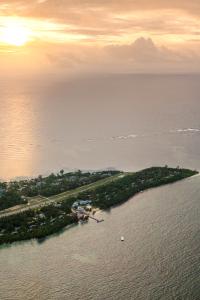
14	33
103	36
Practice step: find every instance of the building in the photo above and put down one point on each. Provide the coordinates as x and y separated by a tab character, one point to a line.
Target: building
81	203
84	202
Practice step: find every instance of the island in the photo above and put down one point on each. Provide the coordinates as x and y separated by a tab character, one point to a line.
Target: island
36	208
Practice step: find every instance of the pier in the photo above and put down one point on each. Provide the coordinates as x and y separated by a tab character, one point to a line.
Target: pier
97	220
84	215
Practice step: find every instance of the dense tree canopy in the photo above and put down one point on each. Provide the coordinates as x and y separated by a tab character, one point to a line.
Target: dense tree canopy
49	219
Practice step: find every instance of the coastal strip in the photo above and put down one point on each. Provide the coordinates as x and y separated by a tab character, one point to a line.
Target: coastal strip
41	201
49	215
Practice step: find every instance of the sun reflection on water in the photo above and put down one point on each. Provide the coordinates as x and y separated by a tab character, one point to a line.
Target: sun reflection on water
17	134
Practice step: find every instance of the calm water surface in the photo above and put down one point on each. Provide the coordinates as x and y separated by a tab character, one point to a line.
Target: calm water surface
159	259
128	122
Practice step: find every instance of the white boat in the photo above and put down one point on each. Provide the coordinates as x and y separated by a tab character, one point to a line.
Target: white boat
122	238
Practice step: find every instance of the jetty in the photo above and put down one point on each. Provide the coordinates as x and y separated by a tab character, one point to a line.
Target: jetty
83	215
97	220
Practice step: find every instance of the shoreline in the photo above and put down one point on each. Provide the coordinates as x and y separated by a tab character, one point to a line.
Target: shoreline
50	219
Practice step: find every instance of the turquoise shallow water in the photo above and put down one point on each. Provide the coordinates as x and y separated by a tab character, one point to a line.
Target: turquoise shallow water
127	122
159	258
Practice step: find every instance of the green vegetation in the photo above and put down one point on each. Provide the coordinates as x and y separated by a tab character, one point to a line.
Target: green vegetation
33	224
42	221
121	190
17	192
10	198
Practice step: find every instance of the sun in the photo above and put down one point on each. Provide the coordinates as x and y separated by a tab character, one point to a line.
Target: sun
14	33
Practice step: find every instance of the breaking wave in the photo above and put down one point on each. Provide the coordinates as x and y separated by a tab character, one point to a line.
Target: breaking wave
185	130
133	136
124	137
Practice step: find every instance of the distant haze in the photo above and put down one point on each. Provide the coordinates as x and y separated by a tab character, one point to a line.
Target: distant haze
74	37
123	121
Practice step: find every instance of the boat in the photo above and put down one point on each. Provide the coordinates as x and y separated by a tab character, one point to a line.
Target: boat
122	238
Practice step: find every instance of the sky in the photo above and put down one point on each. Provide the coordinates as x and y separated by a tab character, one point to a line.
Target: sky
115	36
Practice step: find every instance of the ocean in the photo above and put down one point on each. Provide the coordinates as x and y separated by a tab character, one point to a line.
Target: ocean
126	122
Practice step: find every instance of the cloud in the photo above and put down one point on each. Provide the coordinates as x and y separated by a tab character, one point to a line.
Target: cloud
143	55
41	1
108	36
113	21
63	9
140	50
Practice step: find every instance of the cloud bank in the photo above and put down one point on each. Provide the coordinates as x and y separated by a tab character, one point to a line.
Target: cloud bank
105	36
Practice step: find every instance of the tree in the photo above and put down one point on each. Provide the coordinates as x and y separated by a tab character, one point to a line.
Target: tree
62	172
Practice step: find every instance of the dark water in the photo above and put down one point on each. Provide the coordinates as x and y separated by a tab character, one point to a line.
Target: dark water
128	122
